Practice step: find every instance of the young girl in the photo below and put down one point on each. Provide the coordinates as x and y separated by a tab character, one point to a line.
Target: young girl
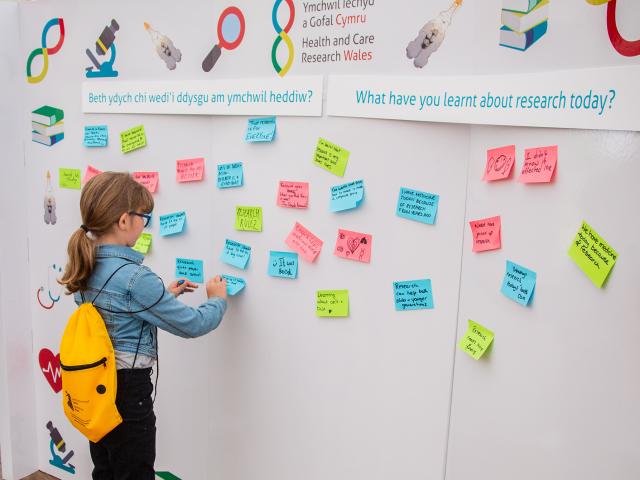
134	303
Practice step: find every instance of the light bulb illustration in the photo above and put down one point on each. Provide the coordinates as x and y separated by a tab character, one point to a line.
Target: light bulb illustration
165	48
431	36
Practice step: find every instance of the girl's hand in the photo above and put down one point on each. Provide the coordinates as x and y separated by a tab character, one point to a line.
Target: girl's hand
217	287
185	286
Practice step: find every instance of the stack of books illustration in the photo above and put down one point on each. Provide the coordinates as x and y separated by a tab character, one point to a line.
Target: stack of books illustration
47	125
523	22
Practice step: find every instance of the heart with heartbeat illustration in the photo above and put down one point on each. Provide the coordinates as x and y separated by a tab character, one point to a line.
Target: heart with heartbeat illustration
354	243
50	367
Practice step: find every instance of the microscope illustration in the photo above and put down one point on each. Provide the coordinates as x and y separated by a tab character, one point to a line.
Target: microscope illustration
104	43
57	443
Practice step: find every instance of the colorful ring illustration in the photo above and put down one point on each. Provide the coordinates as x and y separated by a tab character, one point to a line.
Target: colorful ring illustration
623	47
282	36
45	51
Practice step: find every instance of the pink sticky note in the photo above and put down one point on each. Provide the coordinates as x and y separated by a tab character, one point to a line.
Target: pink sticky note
304	242
499	163
90	173
353	245
149	180
539	164
190	170
486	234
293	194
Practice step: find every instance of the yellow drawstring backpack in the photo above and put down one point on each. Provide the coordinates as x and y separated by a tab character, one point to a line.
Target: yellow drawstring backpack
88	368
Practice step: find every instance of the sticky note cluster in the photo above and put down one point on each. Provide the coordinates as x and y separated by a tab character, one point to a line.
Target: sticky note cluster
332	303
519	283
133	139
476	340
331	157
593	254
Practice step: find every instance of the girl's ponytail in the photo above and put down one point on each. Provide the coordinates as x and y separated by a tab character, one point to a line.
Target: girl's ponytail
103	200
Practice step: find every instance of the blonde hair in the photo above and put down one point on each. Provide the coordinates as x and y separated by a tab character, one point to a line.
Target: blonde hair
103	201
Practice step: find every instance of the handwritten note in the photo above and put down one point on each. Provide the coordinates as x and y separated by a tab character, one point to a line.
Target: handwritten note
69	178
283	264
539	164
172	223
519	283
189	170
346	196
148	180
133	139
234	284
90	172
500	163
332	303
413	295
143	244
190	269
304	242
230	175
96	136
331	157
486	234
593	254
293	194
261	129
418	206
353	246
236	254
249	219
476	340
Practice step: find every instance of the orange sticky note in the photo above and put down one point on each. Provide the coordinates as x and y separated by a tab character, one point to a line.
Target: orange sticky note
190	170
539	164
149	180
499	163
304	242
486	234
90	173
353	246
293	194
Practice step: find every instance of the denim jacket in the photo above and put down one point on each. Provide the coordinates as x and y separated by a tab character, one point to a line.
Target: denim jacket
135	287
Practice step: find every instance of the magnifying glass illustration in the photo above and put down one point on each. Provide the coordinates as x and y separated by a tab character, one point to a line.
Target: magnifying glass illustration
230	34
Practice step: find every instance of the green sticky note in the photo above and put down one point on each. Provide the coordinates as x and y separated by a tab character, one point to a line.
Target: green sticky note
143	245
249	219
70	178
331	157
592	254
332	303
133	139
476	341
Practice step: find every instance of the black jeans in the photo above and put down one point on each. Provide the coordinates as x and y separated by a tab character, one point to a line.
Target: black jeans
128	452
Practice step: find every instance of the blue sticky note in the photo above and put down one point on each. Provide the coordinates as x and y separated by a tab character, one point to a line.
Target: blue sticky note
346	196
234	284
190	269
519	283
283	264
172	223
418	206
230	175
413	294
96	136
261	129
236	254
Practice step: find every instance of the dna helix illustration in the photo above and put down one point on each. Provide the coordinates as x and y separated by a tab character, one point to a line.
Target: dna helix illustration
45	51
283	36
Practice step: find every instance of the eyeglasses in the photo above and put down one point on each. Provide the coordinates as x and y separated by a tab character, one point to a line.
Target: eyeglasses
146	216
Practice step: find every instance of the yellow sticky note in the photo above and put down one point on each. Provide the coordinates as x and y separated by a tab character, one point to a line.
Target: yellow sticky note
133	139
249	219
476	340
332	303
70	178
592	254
143	245
331	157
